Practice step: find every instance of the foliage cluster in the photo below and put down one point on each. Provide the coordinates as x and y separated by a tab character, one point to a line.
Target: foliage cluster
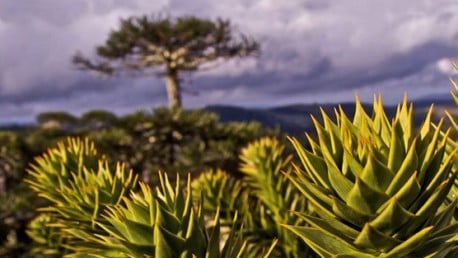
167	140
366	186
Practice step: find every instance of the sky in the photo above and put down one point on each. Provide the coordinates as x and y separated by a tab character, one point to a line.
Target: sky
312	51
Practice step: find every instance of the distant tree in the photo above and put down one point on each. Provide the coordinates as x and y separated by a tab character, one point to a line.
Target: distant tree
97	119
167	47
62	120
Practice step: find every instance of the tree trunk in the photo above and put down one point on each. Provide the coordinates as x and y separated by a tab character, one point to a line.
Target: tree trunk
173	89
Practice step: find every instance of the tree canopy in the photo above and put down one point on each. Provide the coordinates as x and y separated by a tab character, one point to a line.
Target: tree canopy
166	47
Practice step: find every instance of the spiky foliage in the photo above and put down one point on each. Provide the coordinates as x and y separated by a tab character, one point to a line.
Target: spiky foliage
258	197
48	242
453	142
377	187
97	212
263	164
219	192
167	47
80	187
165	223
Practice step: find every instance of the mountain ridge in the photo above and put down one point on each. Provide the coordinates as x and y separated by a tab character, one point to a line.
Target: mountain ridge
295	119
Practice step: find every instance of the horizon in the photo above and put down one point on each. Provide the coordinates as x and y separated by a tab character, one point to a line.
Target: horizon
313	51
420	102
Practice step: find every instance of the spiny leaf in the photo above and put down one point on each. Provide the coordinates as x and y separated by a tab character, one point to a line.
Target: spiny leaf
324	243
371	238
407	168
365	199
339	182
409	245
391	218
348	214
376	175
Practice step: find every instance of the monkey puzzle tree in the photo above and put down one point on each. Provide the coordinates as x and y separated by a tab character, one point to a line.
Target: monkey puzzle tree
167	47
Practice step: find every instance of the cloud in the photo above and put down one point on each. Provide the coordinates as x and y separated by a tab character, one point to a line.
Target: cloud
312	50
445	66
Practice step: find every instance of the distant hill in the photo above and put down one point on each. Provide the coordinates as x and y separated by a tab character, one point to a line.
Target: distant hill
295	119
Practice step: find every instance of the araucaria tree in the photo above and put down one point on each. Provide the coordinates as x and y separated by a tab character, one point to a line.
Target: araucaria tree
167	47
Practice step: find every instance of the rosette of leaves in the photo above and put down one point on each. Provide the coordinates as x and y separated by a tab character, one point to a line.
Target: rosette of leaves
263	163
164	223
218	191
377	186
80	188
262	197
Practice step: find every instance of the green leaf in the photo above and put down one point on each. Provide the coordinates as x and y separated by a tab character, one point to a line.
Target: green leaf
167	243
355	167
381	123
391	217
316	165
429	151
196	242
167	219
324	139
407	168
372	239
312	192
439	240
444	217
376	175
408	192
360	115
348	214
213	242
409	245
334	135
427	209
331	225
441	174
365	199
341	185
325	244
397	150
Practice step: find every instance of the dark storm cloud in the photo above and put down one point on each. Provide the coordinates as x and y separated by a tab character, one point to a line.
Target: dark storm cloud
328	78
312	50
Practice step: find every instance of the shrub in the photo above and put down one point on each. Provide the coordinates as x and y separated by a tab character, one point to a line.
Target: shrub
377	187
100	212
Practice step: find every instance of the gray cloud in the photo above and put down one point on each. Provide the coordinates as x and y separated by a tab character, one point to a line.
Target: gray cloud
312	50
